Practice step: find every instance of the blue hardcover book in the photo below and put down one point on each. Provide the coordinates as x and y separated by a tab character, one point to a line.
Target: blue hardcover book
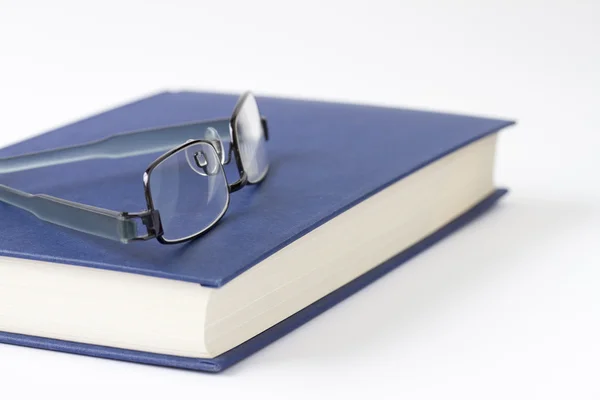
353	191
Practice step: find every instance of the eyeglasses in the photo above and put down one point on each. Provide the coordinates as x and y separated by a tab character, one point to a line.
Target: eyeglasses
186	189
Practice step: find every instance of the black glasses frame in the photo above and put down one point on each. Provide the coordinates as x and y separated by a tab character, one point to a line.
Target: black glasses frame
124	226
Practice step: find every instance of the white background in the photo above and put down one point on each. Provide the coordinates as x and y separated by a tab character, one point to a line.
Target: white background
509	307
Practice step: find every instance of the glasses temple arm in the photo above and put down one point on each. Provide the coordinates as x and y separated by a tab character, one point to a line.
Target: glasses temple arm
119	146
96	221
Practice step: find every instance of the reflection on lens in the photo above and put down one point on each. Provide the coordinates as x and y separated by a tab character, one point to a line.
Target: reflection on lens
189	190
251	140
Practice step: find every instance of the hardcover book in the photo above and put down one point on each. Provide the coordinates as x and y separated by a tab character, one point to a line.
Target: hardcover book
353	192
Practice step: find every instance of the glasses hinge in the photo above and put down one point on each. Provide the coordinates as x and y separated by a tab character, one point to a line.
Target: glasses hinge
265	126
150	219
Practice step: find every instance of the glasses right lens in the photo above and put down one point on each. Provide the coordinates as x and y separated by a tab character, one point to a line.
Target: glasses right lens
189	190
251	140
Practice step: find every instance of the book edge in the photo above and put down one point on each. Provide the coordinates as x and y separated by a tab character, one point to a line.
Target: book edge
270	335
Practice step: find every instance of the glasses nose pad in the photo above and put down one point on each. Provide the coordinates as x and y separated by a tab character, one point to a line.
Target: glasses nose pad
212	135
202	161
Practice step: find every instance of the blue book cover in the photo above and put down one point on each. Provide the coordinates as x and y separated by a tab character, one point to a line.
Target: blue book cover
314	148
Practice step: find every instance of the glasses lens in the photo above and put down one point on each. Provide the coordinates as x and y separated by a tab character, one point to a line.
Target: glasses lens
189	190
251	140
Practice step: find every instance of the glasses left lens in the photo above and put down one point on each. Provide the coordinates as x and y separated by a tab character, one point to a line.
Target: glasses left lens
189	190
251	140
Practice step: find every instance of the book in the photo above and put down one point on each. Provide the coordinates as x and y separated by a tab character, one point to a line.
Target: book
353	192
